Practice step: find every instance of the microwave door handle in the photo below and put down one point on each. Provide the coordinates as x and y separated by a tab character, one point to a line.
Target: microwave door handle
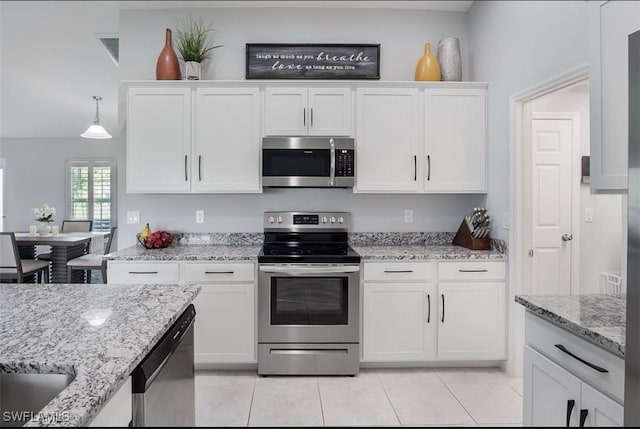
332	174
310	270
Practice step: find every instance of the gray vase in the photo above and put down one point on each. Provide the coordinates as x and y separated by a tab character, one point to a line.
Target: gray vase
449	59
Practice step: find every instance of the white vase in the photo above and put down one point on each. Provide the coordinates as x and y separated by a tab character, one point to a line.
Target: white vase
44	228
192	70
449	59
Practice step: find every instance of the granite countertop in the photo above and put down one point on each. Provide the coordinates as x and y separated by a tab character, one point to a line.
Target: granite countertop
56	329
599	319
423	252
195	252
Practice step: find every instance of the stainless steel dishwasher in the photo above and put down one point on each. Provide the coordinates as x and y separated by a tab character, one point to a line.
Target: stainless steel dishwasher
163	383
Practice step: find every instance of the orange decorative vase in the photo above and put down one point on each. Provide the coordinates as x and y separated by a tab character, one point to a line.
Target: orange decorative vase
427	67
167	67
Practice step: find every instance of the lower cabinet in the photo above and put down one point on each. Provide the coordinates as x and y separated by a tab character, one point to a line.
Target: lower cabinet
400	322
555	397
118	411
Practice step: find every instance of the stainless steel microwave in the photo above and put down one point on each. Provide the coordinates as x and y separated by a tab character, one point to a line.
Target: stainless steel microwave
308	162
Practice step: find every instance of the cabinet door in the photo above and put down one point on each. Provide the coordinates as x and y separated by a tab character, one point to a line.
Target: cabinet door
387	135
601	411
399	322
611	23
455	140
286	111
548	390
226	145
329	111
158	139
225	324
471	321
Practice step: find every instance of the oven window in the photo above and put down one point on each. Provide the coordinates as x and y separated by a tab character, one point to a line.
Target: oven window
296	162
309	301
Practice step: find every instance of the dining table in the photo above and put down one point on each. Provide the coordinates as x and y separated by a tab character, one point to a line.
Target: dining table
64	247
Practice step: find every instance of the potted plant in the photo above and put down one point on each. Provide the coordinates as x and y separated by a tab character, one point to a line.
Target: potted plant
195	46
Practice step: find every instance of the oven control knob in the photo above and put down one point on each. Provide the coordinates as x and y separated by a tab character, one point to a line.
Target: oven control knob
332	220
324	219
280	219
272	219
340	219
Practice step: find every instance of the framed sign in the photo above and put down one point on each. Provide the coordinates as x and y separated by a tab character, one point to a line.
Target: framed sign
312	61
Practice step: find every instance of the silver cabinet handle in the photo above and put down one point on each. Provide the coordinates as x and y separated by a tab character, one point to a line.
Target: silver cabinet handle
185	168
310	270
143	272
473	271
304	116
200	168
312	116
428	167
398	271
567	237
218	272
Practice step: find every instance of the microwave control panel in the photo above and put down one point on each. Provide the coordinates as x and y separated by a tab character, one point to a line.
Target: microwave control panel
345	161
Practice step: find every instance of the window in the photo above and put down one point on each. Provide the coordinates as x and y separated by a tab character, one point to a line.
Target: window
91	191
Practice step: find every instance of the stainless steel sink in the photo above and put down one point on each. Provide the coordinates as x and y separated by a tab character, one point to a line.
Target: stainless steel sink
23	395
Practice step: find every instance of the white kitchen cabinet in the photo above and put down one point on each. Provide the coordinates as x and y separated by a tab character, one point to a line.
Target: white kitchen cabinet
156	272
118	411
158	139
600	411
399	322
225	155
307	111
610	25
471	321
455	130
388	140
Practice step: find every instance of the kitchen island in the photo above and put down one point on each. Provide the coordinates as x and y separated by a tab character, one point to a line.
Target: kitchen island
96	333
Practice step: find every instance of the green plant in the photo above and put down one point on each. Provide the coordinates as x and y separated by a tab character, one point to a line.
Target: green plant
193	41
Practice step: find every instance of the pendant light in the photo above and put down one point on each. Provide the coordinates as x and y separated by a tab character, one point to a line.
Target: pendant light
96	131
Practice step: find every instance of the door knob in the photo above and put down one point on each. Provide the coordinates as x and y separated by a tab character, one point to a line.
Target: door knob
567	237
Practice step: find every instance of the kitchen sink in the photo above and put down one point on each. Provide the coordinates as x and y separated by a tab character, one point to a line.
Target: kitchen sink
23	395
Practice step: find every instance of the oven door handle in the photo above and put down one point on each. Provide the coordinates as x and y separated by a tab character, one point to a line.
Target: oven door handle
310	270
332	172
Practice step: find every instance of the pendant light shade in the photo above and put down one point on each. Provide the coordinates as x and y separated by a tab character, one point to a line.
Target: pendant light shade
96	131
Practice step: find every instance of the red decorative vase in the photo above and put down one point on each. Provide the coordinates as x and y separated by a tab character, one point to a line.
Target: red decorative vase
167	67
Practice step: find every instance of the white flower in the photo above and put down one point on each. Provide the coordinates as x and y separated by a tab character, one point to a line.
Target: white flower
44	213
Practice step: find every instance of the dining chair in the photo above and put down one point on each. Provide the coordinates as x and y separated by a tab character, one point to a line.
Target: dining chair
14	268
92	261
69	225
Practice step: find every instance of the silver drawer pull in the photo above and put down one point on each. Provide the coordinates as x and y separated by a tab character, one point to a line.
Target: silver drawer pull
473	271
308	351
398	271
218	272
143	272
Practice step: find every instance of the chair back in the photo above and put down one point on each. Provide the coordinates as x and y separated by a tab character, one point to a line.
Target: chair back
108	248
76	225
9	255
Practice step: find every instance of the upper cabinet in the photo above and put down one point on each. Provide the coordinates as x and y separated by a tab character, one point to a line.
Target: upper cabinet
214	148
455	124
610	25
307	111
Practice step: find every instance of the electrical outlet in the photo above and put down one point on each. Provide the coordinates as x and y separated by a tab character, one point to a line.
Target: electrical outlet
506	220
588	215
408	216
133	217
199	216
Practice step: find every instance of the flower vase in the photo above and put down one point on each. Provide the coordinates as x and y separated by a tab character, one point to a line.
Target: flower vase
192	70
167	67
427	67
43	228
449	59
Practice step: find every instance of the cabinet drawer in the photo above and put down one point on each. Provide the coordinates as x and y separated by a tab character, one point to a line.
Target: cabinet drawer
143	272
543	337
471	270
213	273
397	271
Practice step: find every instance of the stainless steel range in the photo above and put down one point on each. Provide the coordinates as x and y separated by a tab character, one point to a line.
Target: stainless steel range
308	287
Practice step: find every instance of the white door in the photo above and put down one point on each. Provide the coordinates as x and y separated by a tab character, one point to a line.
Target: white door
455	140
548	393
387	136
471	321
330	111
551	205
226	144
2	197
399	322
600	410
158	140
224	330
286	111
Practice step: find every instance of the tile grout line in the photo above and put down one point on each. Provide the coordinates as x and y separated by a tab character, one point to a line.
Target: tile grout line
388	398
253	394
458	400
324	423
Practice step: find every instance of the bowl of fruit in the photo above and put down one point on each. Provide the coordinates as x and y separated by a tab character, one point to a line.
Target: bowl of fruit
154	240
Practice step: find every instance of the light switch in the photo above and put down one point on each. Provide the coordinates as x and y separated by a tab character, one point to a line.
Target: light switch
133	217
199	216
588	215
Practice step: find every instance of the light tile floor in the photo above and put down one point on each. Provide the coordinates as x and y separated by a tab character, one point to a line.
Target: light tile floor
376	397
